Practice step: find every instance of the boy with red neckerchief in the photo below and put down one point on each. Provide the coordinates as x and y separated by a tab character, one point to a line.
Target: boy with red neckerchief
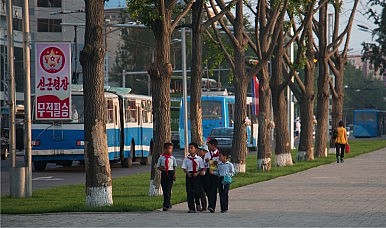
192	166
167	164
211	160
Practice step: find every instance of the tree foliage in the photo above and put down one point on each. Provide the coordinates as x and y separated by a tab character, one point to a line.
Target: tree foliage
375	52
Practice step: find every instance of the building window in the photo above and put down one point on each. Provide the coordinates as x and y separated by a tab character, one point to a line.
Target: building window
49	25
50	3
17	3
17	24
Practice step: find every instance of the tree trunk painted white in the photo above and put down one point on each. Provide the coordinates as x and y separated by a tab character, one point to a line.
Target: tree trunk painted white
155	190
283	159
240	168
264	164
155	185
99	196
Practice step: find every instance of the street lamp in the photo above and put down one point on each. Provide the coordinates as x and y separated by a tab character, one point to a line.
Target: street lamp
364	28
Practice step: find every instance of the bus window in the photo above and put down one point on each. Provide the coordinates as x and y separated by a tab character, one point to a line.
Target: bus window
77	103
110	111
211	110
116	114
146	112
131	111
231	109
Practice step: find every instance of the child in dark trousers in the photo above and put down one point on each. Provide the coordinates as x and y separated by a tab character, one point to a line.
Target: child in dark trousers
167	164
224	168
211	161
192	165
202	203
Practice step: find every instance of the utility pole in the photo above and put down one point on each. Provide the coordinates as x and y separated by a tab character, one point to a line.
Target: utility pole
27	101
75	76
185	91
16	178
75	73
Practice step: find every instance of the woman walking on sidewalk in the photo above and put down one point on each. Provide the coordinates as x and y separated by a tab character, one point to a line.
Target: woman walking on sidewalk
340	142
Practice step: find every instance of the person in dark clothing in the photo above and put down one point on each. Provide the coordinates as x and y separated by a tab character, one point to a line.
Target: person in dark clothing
167	164
192	166
211	160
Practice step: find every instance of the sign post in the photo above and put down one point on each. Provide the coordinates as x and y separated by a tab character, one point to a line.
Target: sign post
53	81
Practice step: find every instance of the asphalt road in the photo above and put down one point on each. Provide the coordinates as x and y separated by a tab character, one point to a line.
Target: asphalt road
56	175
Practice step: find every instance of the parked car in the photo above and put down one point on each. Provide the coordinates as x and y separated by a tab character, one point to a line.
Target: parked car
224	136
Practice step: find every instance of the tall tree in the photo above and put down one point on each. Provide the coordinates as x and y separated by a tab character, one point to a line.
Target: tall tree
158	15
98	171
323	79
303	87
198	27
328	50
278	84
268	16
195	88
338	62
240	80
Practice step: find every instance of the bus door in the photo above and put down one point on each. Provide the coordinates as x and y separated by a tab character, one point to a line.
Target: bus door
138	141
130	126
146	127
112	128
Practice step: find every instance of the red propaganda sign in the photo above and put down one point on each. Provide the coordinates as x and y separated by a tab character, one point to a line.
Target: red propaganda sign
53	81
255	96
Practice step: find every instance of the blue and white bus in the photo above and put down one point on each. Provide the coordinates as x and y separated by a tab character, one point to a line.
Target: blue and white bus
218	111
369	123
129	133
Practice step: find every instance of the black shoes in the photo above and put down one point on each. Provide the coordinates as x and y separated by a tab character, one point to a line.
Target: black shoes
223	211
191	211
211	210
164	209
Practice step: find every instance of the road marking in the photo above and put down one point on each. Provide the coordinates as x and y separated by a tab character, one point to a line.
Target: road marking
50	178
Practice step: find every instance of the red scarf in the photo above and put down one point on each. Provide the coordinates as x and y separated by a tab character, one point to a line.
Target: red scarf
167	156
194	164
212	155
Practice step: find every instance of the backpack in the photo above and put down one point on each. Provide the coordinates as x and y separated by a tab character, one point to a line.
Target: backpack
227	180
335	134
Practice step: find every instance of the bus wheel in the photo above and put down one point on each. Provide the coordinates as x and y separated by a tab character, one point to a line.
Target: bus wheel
40	166
146	161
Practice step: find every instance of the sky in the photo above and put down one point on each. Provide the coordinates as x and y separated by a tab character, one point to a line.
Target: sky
357	36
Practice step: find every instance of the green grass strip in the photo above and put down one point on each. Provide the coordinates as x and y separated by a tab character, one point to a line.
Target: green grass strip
130	192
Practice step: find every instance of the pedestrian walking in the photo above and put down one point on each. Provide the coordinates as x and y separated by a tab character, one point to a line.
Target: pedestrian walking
225	171
340	142
297	128
167	164
212	158
192	166
202	203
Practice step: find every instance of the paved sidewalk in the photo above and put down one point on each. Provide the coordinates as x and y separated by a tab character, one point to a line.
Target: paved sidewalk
339	195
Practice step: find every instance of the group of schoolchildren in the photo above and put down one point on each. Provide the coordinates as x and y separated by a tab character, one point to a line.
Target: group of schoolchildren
205	168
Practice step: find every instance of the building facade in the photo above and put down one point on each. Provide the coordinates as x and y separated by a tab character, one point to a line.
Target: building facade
51	21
